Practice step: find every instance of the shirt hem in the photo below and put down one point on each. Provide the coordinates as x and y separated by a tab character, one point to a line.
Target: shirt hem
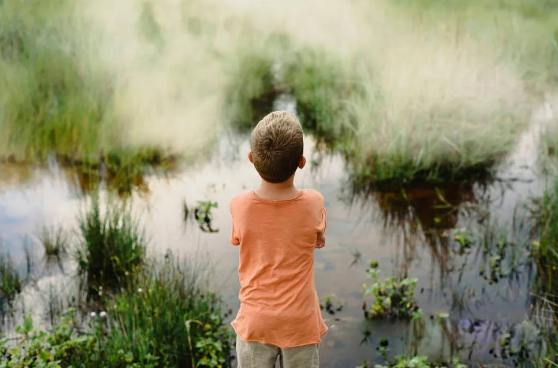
278	345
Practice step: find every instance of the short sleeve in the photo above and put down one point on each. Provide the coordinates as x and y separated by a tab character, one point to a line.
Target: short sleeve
235	239
323	223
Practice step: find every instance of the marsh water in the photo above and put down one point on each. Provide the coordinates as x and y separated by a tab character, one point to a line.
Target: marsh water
473	295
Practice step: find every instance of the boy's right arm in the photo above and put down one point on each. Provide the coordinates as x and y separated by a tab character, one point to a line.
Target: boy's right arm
234	239
320	241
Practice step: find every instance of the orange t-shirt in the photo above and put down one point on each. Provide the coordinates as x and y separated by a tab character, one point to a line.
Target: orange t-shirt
277	238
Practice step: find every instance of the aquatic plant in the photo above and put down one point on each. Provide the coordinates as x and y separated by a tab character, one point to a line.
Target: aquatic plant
392	297
329	307
111	248
202	214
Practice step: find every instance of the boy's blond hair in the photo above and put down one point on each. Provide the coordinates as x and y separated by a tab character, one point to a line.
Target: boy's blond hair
277	145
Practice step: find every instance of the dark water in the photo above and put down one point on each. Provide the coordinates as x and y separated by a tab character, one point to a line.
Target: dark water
410	234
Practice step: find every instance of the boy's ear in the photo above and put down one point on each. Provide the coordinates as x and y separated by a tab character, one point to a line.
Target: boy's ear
250	157
302	162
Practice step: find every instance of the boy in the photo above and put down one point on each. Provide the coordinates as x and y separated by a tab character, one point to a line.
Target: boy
277	228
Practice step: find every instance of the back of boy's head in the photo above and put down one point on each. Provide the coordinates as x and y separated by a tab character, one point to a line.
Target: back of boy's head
277	145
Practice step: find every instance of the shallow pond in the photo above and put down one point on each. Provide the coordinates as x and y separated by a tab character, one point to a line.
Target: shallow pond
473	295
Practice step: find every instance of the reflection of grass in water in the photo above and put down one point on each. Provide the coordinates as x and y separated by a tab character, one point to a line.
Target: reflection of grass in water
11	283
54	242
111	249
546	251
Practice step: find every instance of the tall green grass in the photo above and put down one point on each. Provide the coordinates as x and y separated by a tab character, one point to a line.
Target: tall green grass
55	99
111	248
411	92
168	313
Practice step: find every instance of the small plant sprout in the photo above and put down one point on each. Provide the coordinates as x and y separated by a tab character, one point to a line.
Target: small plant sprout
463	237
328	306
202	213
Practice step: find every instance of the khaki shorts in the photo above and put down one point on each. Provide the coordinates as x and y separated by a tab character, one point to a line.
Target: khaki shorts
258	355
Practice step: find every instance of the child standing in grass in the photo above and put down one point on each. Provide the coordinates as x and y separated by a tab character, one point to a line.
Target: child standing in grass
277	227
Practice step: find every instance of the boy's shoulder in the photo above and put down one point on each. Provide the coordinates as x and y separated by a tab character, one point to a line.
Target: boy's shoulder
240	197
313	194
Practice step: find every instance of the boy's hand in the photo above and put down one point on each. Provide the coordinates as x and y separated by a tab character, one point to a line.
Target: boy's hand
320	242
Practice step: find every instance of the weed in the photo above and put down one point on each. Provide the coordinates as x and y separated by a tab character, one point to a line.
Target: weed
329	306
168	313
392	298
111	249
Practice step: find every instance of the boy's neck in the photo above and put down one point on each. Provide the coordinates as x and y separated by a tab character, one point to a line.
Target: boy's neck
284	190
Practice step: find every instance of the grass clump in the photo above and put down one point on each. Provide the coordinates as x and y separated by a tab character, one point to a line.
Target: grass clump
392	298
55	99
111	249
168	314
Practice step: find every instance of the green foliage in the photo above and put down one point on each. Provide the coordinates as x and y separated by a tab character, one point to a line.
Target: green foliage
202	213
111	248
165	319
168	314
392	298
61	347
64	346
